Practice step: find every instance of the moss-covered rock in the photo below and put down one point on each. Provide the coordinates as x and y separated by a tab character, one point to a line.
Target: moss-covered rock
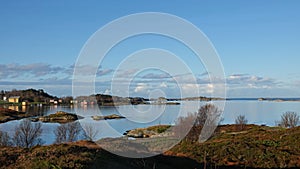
58	117
108	117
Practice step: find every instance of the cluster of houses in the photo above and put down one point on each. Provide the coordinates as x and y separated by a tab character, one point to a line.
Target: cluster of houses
53	101
16	99
12	99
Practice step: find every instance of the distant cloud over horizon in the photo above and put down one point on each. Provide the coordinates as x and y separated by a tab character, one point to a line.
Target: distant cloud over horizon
251	80
58	80
15	71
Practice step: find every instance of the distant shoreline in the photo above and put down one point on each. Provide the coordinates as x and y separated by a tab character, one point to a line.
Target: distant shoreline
266	99
168	102
33	97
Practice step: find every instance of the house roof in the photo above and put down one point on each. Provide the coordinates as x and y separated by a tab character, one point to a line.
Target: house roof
14	97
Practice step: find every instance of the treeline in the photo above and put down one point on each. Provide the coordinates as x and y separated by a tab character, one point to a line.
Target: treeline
30	95
33	95
102	100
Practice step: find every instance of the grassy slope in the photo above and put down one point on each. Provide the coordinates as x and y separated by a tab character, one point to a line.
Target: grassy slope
256	147
83	155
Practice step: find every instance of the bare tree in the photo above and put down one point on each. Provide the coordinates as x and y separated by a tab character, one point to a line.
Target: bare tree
4	139
90	132
184	125
74	131
241	122
212	116
289	120
208	116
61	133
27	134
68	132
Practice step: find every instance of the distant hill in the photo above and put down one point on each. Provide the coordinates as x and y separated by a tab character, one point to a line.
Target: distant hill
31	95
202	98
108	100
34	95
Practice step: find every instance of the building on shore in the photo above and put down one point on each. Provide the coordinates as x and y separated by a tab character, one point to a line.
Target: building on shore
14	99
25	103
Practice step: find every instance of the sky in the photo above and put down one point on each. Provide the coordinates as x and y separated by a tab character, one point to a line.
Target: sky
257	43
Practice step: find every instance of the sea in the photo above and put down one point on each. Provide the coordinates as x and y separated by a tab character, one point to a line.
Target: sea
139	116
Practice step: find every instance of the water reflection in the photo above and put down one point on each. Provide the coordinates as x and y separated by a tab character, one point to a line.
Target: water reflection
32	110
256	112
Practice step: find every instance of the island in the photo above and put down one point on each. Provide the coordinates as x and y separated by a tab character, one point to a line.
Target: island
108	117
167	103
280	99
58	117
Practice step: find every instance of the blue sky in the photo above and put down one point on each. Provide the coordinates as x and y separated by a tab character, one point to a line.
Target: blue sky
257	41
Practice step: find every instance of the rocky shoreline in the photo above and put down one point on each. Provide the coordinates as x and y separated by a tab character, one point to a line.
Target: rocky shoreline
9	115
58	117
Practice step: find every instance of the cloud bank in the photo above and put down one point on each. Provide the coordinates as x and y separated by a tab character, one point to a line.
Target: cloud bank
58	80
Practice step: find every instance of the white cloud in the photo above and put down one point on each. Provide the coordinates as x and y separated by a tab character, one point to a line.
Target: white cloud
210	88
141	87
40	74
191	90
107	91
250	80
163	85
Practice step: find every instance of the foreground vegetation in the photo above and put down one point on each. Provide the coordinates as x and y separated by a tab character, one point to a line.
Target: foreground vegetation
84	154
254	147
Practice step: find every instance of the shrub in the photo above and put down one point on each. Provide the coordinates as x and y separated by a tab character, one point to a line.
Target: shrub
90	132
241	122
208	115
184	125
289	120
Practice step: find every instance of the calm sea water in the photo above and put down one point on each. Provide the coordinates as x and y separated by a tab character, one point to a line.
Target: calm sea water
137	116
